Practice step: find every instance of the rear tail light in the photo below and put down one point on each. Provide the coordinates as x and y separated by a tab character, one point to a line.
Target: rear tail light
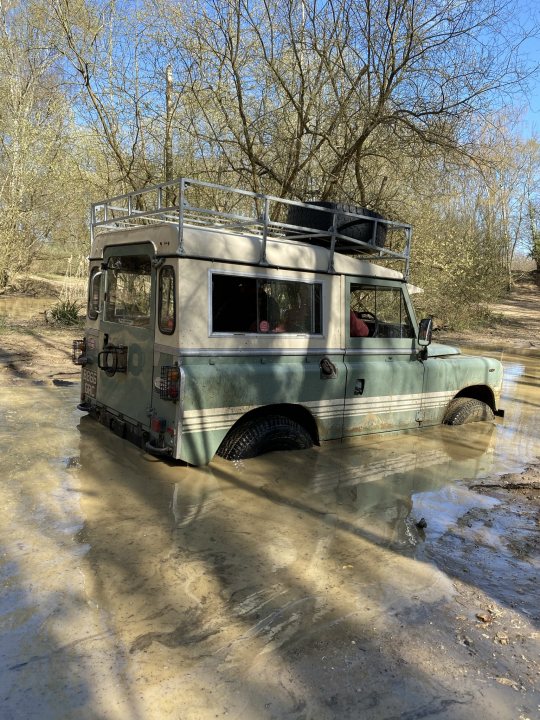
158	425
169	382
78	352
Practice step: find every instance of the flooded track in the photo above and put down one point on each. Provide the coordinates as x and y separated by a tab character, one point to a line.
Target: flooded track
296	585
23	307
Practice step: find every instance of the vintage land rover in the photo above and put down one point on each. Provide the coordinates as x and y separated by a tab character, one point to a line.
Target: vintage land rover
223	321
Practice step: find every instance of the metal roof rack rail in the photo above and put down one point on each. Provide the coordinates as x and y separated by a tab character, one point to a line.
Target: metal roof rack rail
185	202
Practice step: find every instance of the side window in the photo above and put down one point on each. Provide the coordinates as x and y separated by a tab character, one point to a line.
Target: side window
255	305
94	293
379	309
167	301
128	290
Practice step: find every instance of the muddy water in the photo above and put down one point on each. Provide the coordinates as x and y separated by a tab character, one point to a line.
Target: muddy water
24	308
296	585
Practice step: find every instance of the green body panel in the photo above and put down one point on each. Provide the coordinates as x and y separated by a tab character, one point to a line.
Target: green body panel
217	392
454	374
384	374
384	391
439	350
399	392
129	393
260	380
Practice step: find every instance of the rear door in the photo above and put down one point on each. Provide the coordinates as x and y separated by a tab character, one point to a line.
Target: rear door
126	336
384	376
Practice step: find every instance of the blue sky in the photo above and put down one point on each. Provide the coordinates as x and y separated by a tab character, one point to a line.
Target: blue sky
528	13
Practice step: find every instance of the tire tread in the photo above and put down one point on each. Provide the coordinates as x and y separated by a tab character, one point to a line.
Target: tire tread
264	434
464	410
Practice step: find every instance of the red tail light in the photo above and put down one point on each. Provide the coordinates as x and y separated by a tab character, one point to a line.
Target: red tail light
158	424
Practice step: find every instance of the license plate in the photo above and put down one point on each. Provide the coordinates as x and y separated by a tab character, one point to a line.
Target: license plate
89	382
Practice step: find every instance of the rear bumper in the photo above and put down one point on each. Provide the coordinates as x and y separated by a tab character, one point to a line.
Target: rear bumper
118	425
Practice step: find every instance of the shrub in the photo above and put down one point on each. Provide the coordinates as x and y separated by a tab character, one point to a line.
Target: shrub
65	312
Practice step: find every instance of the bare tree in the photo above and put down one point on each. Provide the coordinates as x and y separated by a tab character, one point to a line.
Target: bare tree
105	51
511	179
303	98
33	135
384	103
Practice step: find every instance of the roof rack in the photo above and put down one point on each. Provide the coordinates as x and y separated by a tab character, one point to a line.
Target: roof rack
193	203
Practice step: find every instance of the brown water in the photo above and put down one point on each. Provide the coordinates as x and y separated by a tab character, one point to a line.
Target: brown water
24	308
133	588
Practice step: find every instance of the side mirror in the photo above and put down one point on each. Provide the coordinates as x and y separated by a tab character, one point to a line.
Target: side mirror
425	331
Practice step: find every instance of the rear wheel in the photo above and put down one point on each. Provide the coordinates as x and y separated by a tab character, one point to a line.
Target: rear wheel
262	435
466	410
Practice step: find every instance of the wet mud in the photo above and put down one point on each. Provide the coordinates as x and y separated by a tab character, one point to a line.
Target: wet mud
393	577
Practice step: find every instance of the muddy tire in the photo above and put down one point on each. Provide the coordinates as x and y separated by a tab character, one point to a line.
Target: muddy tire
262	435
467	410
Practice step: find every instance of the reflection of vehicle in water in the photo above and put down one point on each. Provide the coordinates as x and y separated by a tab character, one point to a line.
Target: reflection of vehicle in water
373	489
272	550
215	328
384	481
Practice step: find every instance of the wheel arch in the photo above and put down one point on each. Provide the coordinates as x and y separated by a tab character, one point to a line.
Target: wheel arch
298	413
478	392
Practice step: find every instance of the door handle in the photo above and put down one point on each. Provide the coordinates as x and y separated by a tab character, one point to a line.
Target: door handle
328	369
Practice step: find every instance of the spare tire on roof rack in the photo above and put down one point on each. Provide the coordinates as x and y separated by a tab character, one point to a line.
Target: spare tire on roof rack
363	229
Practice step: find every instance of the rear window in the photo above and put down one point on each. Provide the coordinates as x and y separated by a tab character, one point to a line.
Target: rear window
167	301
94	294
128	290
265	306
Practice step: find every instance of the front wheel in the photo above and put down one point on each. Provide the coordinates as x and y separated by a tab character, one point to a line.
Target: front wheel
466	410
262	435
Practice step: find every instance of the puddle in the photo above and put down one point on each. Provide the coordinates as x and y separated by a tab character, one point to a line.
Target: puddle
271	588
446	506
24	308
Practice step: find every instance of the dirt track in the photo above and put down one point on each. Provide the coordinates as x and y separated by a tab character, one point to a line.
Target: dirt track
516	321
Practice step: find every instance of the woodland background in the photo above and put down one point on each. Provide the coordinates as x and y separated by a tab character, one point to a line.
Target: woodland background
409	107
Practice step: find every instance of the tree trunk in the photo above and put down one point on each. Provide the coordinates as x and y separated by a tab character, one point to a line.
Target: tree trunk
168	145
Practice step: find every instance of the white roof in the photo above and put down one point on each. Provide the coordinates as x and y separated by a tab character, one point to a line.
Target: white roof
215	243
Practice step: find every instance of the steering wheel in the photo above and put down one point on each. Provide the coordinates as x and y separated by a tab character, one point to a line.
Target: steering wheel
371	318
